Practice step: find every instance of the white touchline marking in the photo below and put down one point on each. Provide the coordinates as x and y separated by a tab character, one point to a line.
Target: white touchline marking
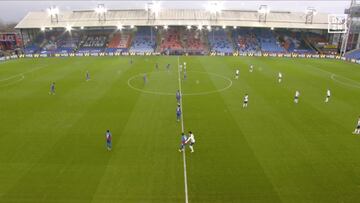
182	129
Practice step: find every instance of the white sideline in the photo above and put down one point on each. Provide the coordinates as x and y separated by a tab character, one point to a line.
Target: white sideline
182	129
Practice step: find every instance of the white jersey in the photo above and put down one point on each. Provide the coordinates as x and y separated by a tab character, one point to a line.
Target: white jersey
237	72
184	63
297	94
280	75
359	122
251	67
246	98
328	93
191	138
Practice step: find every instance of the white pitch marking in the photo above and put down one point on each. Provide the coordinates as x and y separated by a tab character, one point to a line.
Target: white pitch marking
182	128
186	94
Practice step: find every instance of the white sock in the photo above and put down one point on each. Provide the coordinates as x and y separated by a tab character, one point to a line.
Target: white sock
191	148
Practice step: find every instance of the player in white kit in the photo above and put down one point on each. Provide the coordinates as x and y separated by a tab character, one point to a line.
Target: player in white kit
246	101
251	68
328	94
297	95
237	72
191	139
280	77
357	129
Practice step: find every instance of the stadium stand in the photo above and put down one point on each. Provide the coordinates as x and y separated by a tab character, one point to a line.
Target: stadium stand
144	40
68	43
246	41
170	40
220	42
293	42
93	42
33	46
354	54
268	41
119	42
193	40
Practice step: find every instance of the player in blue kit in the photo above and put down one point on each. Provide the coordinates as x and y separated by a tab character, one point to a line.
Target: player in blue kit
183	142
108	140
178	113
52	89
178	97
157	66
87	76
145	78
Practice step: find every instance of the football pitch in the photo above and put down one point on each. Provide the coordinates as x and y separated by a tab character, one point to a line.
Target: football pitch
52	147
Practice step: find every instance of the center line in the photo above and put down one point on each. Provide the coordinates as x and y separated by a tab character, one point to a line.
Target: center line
182	129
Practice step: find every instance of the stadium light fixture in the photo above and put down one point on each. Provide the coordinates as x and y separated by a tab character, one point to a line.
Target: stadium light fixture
154	7
132	26
309	15
208	27
311	11
272	28
100	9
263	9
166	27
68	28
82	27
214	7
224	27
52	11
42	29
200	27
235	27
188	27
119	27
262	13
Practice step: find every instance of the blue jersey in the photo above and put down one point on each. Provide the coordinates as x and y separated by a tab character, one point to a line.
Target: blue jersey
52	87
108	136
183	139
178	95
178	111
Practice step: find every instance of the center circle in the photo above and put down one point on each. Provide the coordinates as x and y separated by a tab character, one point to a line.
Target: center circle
166	83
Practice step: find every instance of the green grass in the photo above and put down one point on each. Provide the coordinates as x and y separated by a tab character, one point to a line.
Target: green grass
52	148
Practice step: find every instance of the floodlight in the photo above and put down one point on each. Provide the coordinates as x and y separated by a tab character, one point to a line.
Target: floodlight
263	9
208	27
214	7
154	7
119	27
42	28
200	27
132	26
68	28
224	27
272	28
165	27
82	27
53	11
188	27
100	9
235	27
310	11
